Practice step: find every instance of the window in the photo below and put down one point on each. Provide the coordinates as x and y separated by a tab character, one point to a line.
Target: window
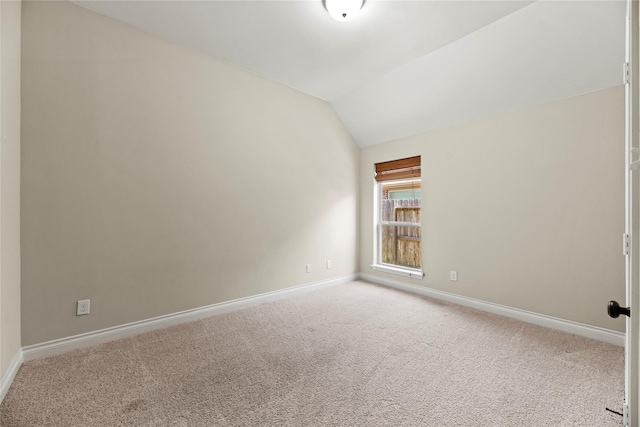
398	226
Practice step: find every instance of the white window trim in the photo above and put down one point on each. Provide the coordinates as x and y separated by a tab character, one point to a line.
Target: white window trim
407	272
377	229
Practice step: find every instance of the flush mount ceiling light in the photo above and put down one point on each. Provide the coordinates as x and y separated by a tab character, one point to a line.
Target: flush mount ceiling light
343	10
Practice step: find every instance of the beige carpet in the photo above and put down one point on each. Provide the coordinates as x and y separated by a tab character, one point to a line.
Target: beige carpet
349	355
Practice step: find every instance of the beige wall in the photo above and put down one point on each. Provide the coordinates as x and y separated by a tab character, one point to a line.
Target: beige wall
157	179
527	207
10	12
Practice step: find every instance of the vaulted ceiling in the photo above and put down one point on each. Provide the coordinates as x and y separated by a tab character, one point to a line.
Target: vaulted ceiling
403	67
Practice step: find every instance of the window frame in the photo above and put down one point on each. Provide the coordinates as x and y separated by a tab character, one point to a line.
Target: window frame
378	227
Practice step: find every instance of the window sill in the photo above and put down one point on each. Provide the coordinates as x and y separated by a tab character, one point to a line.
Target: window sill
407	272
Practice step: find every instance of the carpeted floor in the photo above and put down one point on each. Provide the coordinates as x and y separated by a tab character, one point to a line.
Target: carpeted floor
350	355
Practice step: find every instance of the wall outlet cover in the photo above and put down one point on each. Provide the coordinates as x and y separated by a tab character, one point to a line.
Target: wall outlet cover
83	307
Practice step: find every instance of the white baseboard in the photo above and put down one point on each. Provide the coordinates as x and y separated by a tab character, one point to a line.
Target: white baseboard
7	378
588	331
62	345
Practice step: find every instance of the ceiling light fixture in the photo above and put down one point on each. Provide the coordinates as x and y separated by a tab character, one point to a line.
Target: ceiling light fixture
343	10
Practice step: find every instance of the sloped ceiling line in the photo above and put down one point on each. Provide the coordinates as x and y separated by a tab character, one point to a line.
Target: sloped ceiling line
403	67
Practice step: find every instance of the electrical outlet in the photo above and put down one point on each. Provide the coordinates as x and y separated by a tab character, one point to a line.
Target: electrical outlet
308	268
453	276
328	264
83	307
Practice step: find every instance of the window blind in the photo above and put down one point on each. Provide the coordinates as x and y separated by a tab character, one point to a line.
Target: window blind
398	169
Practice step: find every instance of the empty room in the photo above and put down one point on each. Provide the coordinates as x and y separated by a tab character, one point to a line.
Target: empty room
319	213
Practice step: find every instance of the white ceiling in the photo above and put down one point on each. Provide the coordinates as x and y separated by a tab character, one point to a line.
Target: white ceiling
403	67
